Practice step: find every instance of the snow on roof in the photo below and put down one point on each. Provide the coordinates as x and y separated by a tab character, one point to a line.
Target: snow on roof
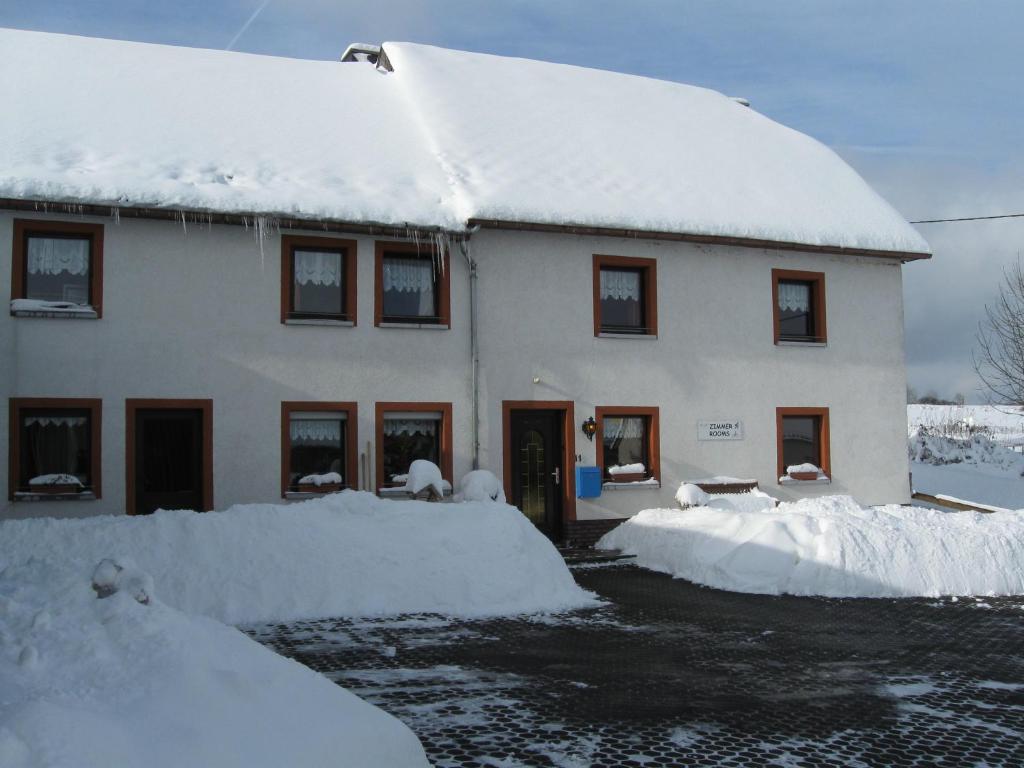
445	138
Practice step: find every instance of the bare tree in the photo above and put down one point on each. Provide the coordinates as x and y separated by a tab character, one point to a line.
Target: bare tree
999	359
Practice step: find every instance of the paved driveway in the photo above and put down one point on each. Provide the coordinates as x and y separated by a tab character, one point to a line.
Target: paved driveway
668	673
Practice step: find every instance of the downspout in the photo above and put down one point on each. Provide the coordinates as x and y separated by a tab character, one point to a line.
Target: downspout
474	348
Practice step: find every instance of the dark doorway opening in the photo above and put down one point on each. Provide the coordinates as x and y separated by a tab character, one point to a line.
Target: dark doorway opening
538	474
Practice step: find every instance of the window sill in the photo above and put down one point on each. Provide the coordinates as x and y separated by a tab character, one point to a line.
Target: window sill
297	495
401	493
424	326
801	343
62	314
319	321
636	485
646	336
30	496
822	480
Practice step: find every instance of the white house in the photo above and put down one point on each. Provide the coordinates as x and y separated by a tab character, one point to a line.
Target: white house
235	276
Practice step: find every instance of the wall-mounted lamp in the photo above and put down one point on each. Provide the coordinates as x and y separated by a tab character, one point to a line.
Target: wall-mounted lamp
589	428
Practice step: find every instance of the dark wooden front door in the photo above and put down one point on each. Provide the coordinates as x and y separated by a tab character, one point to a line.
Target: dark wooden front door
537	468
168	459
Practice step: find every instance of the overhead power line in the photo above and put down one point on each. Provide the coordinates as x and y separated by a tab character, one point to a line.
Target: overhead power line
971	218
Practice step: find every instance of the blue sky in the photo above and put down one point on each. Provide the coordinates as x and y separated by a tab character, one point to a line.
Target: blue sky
923	98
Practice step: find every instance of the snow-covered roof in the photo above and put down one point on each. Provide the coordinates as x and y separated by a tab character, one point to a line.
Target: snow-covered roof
445	138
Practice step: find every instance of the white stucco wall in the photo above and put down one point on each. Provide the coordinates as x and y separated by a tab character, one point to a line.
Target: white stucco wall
195	314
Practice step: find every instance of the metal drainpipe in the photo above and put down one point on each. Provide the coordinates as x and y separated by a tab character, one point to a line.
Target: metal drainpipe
474	351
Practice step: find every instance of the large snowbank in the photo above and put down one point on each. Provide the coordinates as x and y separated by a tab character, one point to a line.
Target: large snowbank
833	547
346	554
539	142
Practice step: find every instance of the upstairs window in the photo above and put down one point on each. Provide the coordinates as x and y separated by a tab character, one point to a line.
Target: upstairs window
54	447
412	286
628	443
410	431
798	306
803	441
57	268
318	279
625	296
318	447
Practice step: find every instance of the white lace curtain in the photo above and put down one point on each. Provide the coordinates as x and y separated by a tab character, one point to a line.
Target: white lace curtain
55	421
616	284
409	275
794	297
623	427
53	255
312	431
426	427
319	268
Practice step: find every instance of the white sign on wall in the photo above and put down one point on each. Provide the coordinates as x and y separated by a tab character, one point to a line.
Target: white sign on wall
720	430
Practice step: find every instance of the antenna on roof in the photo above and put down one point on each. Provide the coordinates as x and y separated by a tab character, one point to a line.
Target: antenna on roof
370	54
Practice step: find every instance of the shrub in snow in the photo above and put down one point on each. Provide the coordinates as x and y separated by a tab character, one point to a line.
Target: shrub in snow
690	495
926	447
481	485
425	474
109	578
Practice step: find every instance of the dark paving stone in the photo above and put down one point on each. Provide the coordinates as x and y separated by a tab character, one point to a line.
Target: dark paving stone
669	673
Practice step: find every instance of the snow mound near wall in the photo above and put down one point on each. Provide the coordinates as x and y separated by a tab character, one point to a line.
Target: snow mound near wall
347	554
89	682
832	547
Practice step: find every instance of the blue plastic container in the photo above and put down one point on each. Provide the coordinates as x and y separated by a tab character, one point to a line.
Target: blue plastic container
588	482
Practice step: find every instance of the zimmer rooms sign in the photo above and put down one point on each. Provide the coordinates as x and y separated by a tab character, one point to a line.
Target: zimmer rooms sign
720	430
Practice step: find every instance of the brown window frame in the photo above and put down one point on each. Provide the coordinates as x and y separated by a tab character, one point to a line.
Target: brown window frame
653	436
445	438
351	411
289	243
92	404
817	281
443	283
131	405
824	435
24	228
649	271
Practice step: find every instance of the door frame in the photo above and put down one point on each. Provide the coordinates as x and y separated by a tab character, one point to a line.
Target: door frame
568	449
136	404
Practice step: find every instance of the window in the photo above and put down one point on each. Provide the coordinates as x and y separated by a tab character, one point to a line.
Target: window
318	446
57	268
628	443
410	431
413	286
625	296
798	306
318	279
54	448
803	438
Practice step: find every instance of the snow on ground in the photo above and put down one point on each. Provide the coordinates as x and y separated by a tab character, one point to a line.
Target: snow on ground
346	554
88	682
833	547
187	128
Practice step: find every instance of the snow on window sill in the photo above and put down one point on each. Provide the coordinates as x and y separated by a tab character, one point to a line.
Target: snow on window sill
295	495
647	336
822	479
63	314
636	485
319	321
425	326
801	343
30	496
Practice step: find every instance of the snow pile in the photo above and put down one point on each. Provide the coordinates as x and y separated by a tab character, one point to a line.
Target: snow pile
833	547
626	469
345	554
58	479
797	469
691	495
422	475
184	128
328	478
114	682
482	485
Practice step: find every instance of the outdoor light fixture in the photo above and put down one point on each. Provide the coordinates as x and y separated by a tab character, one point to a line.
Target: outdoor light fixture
589	428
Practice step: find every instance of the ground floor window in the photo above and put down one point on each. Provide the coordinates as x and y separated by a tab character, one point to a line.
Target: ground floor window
803	441
628	443
54	446
318	447
410	431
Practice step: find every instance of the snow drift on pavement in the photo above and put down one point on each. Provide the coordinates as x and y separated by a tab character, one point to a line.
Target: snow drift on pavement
87	682
832	547
347	554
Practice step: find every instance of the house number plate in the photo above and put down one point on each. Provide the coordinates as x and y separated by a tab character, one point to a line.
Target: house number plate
719	430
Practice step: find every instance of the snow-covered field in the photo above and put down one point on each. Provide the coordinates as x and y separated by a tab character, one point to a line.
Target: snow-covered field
149	676
832	547
967	453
